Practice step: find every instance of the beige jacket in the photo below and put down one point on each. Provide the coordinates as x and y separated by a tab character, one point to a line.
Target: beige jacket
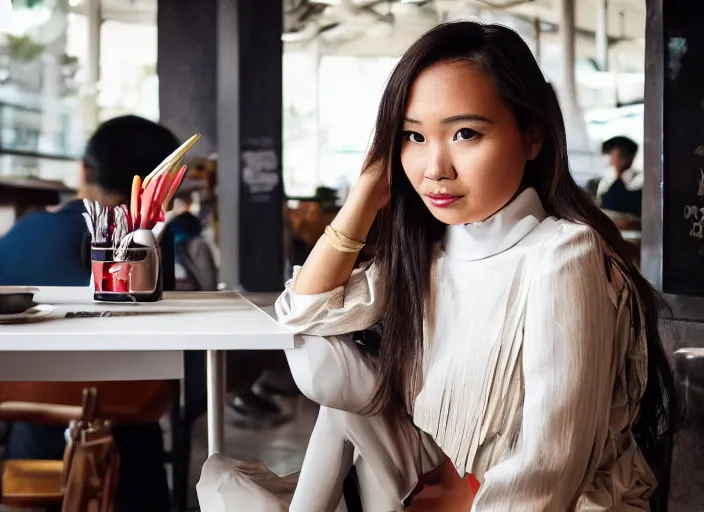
532	372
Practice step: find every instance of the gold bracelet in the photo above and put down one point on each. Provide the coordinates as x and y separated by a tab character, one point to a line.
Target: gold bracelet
347	239
340	241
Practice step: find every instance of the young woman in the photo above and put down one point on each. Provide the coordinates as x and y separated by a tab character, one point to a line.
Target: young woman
514	334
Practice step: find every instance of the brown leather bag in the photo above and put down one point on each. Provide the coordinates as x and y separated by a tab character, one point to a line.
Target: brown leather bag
91	461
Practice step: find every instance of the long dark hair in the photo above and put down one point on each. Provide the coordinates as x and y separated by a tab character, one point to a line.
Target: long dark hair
409	232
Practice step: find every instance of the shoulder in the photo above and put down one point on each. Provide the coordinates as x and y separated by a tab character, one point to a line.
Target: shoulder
564	245
566	272
27	225
62	223
554	234
45	226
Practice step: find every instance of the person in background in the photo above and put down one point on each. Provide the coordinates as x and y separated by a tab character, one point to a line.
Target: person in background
195	266
307	222
52	249
208	213
621	189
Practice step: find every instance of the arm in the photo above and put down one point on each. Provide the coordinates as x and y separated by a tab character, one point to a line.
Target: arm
327	268
569	379
351	307
326	297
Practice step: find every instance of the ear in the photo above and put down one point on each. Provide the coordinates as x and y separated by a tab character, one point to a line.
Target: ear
534	142
83	174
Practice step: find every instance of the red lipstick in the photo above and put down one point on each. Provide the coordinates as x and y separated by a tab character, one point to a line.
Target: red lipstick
442	200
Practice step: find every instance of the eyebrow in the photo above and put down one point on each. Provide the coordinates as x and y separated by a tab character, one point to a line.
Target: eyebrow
456	119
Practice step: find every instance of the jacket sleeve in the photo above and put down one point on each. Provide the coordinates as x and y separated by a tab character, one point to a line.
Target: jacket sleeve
352	307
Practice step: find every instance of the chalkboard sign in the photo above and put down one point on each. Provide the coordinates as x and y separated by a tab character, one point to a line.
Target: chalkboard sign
261	218
683	148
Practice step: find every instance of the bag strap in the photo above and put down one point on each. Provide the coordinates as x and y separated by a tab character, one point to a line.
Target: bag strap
91	461
92	477
76	430
184	257
90	405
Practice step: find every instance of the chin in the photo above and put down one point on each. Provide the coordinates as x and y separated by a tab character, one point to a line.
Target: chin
452	215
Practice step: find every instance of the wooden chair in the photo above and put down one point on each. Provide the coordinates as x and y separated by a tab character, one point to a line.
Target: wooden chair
41	483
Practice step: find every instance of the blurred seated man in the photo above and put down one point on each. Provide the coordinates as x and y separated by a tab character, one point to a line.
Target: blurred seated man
195	269
51	249
621	189
307	222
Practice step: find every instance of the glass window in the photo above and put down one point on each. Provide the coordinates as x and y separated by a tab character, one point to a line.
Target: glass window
128	80
24	167
38	87
350	91
46	108
330	107
300	128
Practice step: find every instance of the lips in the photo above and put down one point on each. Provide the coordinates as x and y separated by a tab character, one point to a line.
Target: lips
442	200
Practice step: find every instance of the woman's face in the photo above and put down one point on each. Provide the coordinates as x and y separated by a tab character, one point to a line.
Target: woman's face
463	151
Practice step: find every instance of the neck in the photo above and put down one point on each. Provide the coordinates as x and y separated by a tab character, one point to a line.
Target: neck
499	232
513	197
95	193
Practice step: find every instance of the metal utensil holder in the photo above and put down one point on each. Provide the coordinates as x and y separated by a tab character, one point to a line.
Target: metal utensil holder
126	275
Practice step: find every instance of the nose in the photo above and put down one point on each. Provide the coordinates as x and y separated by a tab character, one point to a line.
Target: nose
439	165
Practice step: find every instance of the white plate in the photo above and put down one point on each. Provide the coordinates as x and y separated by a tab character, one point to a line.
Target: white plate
11	290
35	313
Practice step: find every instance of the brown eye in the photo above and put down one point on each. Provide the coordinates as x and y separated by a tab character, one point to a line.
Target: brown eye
414	137
465	134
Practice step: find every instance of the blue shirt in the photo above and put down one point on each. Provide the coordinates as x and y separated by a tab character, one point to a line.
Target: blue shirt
46	249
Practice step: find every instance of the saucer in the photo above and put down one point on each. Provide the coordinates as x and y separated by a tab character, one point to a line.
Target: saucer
35	313
13	290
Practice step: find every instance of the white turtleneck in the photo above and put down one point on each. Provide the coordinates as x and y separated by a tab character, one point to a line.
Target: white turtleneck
525	382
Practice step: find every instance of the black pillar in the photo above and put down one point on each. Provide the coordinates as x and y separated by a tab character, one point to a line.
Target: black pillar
673	222
261	252
187	67
220	73
672	251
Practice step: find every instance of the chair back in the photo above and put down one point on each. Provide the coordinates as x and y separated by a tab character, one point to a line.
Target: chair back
58	403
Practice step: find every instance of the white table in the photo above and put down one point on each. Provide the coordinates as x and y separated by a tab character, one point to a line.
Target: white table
143	341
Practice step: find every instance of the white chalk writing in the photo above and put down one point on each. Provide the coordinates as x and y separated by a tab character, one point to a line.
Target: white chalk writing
695	215
260	170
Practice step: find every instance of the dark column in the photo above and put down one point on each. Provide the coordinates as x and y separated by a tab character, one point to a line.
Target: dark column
672	252
673	238
261	254
187	67
220	73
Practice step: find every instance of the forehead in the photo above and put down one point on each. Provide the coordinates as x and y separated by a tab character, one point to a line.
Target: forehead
450	88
